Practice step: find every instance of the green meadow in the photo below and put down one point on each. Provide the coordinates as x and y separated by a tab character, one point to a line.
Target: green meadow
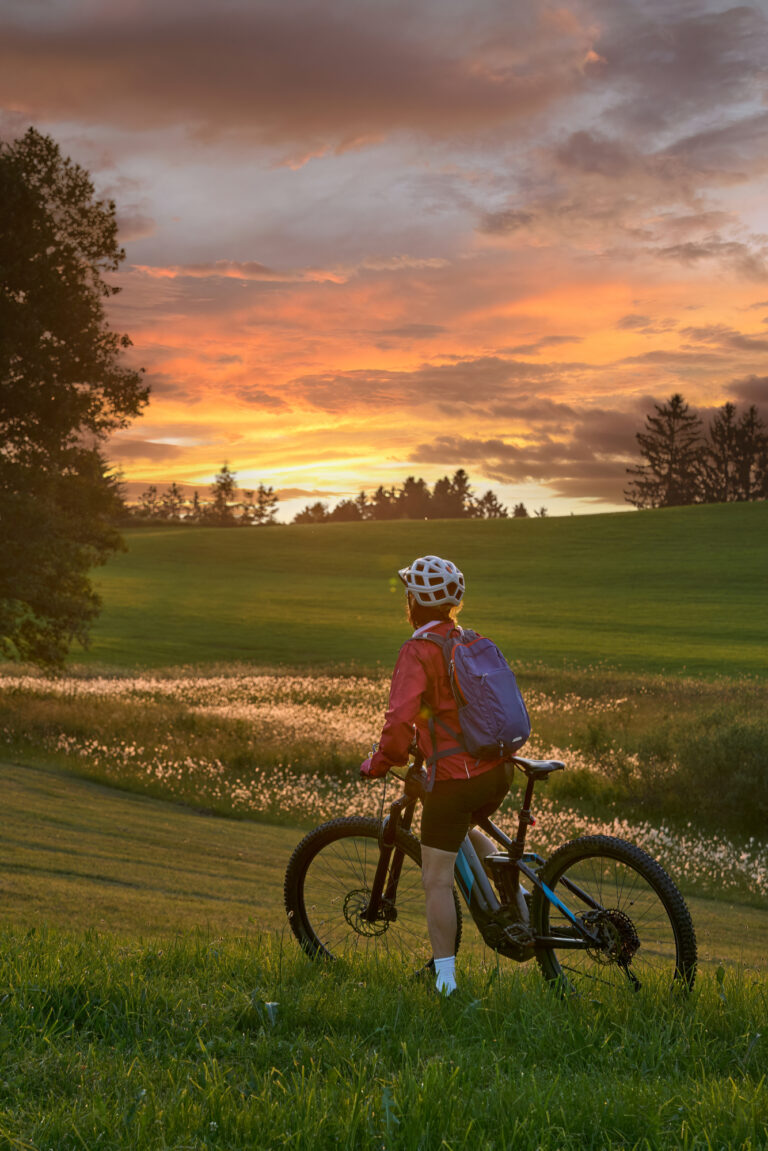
152	798
681	590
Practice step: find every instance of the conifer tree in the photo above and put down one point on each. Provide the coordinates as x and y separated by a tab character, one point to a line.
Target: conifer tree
672	447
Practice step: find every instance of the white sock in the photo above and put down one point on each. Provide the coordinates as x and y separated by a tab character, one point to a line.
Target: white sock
446	974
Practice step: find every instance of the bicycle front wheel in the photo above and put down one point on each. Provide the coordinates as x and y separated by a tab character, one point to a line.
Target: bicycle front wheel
328	886
643	928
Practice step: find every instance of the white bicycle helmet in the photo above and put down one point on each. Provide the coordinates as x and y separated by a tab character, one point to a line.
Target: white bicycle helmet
433	581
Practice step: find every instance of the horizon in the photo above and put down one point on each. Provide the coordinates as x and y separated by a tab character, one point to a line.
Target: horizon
368	242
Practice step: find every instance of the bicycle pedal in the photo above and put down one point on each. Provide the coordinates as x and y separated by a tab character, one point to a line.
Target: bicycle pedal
519	935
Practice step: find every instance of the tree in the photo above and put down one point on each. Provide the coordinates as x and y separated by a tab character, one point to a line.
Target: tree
63	388
489	507
220	512
673	450
751	452
266	506
384	503
719	475
520	512
149	503
451	498
172	503
316	513
540	512
363	506
413	500
345	512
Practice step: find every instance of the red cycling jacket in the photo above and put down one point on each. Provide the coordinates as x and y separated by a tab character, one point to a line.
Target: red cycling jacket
420	690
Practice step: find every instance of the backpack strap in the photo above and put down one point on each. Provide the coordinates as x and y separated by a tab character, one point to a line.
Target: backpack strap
444	643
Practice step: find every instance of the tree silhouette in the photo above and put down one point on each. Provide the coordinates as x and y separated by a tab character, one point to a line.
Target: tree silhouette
671	445
221	511
489	507
63	388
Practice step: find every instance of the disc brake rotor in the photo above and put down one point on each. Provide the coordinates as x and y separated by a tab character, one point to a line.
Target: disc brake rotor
355	904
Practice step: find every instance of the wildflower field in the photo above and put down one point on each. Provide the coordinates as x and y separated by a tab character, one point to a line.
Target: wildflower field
284	748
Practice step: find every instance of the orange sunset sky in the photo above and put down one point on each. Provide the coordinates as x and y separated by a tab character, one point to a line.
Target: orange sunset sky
366	239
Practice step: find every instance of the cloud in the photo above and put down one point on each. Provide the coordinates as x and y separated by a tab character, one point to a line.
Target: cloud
297	76
544	342
414	331
468	382
740	256
130	449
505	221
589	459
750	390
721	336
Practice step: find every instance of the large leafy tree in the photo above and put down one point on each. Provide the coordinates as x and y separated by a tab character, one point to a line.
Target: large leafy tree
63	388
671	445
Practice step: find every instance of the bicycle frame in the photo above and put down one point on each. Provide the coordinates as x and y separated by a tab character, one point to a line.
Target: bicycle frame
473	883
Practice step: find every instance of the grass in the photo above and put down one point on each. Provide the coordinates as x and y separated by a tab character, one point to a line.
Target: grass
679	590
75	854
107	1042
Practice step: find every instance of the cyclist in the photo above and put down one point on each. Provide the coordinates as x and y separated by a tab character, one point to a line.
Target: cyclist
465	789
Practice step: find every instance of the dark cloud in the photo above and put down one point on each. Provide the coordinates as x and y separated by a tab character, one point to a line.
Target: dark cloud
336	76
679	61
132	225
251	394
676	359
468	382
744	259
589	459
534	411
750	390
722	336
125	449
634	322
593	153
539	345
503	222
413	331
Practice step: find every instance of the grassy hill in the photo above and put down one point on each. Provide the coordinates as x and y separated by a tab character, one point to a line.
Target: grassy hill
678	590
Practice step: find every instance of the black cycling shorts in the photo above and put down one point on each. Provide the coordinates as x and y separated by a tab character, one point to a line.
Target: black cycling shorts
454	805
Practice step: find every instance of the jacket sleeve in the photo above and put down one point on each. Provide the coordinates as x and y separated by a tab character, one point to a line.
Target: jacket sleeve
409	682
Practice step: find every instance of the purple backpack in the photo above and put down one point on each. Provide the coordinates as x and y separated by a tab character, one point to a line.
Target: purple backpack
492	715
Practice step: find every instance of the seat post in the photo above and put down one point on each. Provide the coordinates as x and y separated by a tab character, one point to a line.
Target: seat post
525	819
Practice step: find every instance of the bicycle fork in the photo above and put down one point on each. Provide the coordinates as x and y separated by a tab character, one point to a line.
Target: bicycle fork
381	905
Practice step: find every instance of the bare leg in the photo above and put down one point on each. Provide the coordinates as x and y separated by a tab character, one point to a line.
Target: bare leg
485	847
482	844
437	879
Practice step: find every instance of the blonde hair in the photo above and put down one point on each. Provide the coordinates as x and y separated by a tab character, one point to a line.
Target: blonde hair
419	613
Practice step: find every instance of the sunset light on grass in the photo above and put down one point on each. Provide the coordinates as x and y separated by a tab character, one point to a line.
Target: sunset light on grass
368	241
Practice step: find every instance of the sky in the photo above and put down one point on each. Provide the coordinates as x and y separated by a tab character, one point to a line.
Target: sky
366	239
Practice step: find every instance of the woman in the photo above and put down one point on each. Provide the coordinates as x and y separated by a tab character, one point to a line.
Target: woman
465	789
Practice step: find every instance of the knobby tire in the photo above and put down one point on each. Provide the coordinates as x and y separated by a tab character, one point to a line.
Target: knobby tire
647	930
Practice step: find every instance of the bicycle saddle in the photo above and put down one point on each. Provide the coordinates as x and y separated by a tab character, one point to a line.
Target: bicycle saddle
537	768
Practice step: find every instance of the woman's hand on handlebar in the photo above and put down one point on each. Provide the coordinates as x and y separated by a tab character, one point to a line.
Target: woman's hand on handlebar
369	772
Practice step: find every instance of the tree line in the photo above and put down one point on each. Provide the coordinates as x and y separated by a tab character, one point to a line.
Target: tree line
451	497
687	462
226	506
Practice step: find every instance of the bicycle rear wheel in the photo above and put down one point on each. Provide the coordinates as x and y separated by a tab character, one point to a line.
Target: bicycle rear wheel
328	885
646	937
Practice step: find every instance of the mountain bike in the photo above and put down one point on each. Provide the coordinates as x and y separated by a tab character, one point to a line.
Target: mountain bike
598	909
